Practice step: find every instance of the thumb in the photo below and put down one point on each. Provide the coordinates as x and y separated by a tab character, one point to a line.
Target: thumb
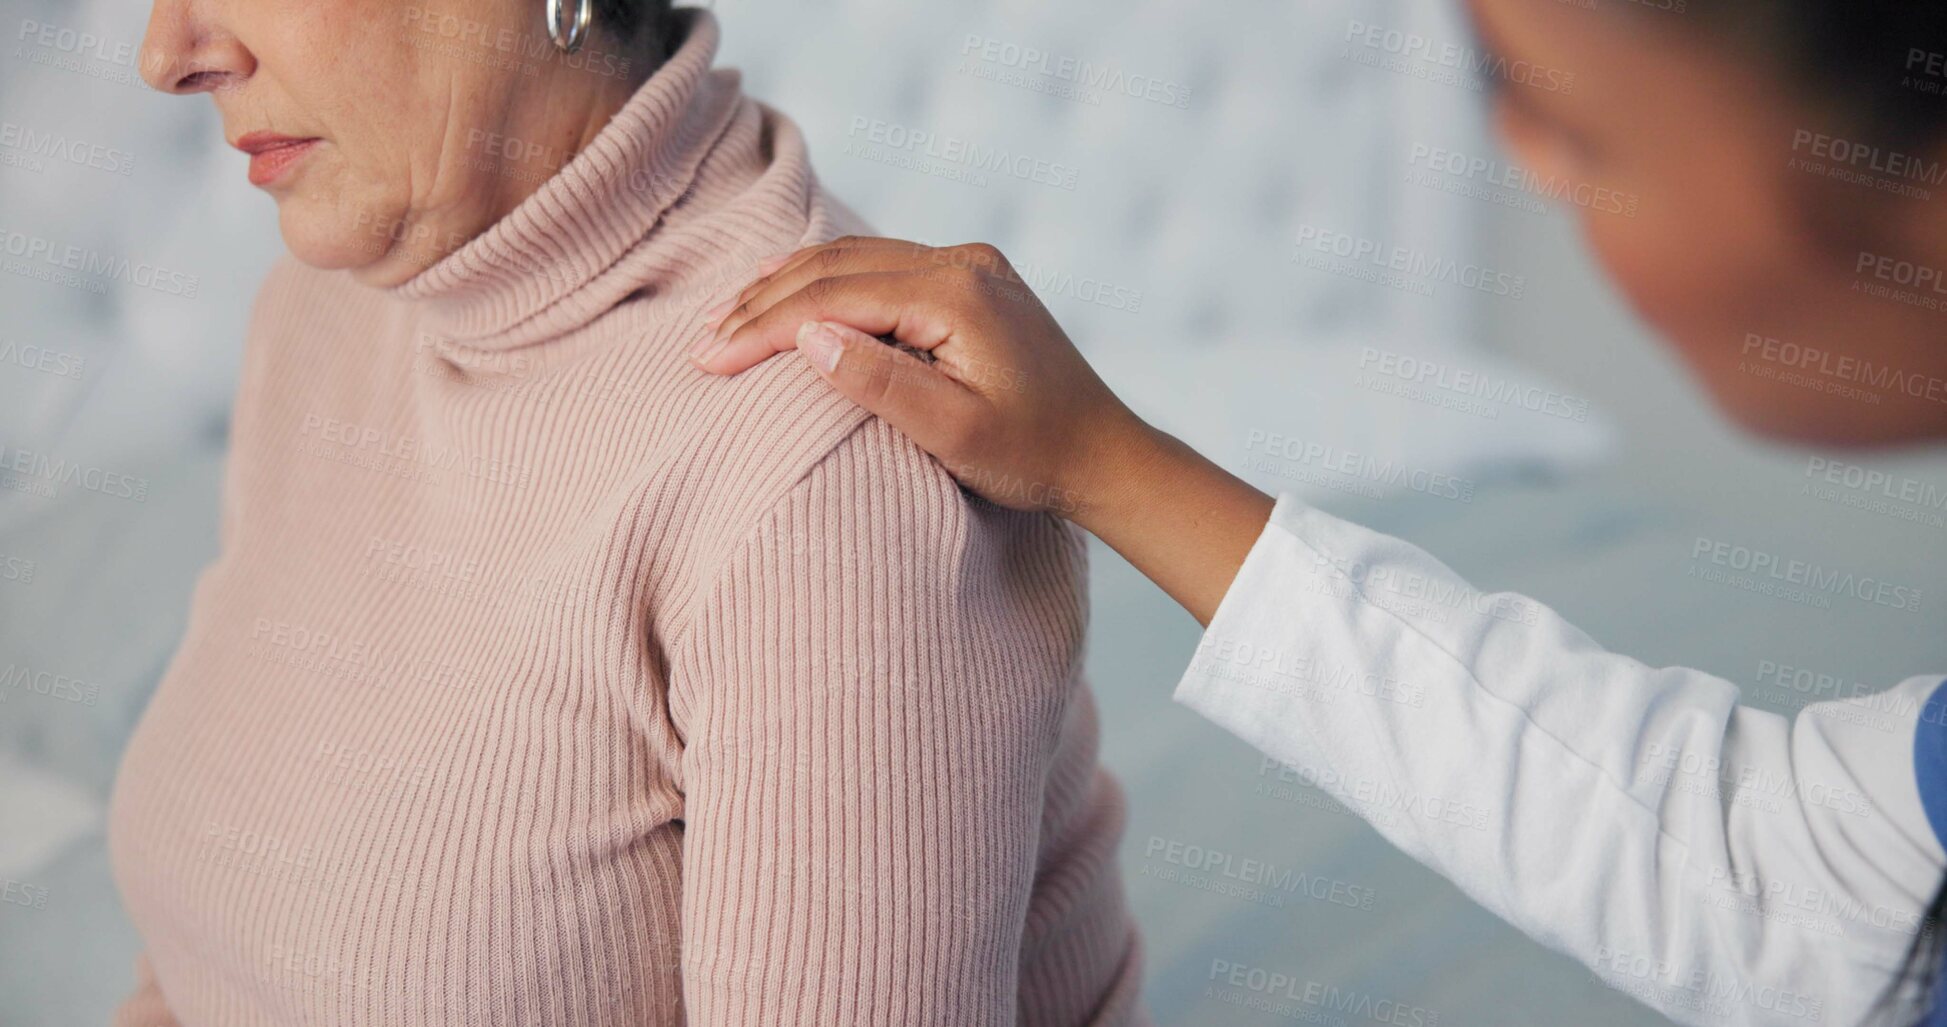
908	393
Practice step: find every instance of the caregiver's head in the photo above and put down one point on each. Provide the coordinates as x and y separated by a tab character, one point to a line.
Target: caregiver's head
1767	182
391	131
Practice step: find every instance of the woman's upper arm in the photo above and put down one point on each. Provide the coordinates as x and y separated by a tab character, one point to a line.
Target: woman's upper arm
870	696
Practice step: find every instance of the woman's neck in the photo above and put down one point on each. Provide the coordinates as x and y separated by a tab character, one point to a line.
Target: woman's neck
554	117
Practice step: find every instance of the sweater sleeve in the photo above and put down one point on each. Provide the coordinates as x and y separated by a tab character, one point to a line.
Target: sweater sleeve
870	698
1723	864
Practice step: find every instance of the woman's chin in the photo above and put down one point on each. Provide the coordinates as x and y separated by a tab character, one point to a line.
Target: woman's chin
331	240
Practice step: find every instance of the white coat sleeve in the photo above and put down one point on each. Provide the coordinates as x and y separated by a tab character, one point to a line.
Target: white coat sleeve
1723	864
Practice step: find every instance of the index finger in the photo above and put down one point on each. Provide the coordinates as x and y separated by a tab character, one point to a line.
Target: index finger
877	303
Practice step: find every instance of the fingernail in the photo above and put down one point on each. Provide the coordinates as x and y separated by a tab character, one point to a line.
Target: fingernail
706	349
820	345
719	334
770	264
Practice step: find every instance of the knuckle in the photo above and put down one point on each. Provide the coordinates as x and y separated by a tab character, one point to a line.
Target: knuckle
820	290
828	260
983	255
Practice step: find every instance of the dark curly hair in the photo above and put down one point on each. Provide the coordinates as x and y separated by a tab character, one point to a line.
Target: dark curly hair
1878	64
630	20
1875	70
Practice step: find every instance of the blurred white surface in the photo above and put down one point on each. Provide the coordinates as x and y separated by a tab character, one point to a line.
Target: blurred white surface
45	814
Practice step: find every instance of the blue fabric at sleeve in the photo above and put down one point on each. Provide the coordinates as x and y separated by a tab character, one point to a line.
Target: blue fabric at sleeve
1930	760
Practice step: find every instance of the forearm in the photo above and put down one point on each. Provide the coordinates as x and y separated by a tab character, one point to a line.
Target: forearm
1182	520
1631	816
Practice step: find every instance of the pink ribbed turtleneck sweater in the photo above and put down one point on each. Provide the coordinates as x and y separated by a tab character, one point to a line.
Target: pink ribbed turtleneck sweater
545	680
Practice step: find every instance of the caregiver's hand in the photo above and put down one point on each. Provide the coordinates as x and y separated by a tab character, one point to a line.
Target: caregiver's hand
1003	398
1006	402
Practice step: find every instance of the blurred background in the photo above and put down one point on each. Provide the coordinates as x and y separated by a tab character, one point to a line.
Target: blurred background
1263	249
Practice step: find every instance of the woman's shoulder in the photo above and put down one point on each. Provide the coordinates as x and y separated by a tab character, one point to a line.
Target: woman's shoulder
778	439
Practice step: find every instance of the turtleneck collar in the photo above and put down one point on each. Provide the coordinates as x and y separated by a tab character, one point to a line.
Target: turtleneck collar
572	250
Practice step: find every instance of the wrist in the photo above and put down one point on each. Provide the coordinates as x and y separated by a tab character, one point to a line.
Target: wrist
1121	463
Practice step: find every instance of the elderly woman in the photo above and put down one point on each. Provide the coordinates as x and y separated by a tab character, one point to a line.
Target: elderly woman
537	681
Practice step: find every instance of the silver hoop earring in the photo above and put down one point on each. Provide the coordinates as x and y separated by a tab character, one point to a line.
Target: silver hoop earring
568	38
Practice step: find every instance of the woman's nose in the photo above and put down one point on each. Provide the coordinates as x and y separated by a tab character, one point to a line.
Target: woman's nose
189	50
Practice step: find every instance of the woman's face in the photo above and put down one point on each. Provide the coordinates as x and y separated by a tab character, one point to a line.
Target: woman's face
413	124
1698	180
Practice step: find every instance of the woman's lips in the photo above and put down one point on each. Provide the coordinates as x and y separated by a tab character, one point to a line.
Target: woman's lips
271	155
